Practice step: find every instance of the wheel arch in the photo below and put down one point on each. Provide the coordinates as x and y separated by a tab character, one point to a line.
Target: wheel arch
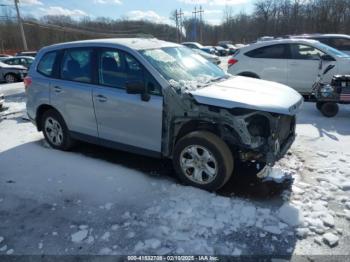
223	131
40	112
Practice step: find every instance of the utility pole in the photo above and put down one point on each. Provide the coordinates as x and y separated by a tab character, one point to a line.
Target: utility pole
201	11
21	26
195	24
179	25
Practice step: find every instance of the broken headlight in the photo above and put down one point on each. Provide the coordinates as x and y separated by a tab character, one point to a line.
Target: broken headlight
258	126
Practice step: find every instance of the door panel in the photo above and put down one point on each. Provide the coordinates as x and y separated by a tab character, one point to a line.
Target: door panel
74	101
270	62
271	69
72	94
303	67
126	119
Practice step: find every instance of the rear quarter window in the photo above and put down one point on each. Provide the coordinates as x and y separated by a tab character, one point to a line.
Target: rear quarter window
46	64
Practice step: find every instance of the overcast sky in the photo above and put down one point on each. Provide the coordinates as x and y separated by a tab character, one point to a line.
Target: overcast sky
154	10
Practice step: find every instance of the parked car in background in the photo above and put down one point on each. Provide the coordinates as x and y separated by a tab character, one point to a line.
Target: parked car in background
2	100
193	45
27	53
293	62
238	46
231	48
221	51
25	61
12	73
209	49
212	58
3	57
265	38
337	41
178	106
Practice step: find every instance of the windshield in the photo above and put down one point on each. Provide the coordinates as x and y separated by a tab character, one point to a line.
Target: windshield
332	51
182	67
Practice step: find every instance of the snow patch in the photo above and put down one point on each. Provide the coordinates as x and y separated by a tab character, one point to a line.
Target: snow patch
79	236
330	239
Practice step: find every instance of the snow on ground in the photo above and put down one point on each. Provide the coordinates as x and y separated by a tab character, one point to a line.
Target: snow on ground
54	202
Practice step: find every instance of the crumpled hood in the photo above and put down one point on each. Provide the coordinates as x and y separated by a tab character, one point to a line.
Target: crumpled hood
250	93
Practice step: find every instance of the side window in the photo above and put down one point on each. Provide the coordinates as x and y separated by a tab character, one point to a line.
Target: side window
342	44
137	72
9	62
279	51
46	64
305	52
76	65
133	67
111	69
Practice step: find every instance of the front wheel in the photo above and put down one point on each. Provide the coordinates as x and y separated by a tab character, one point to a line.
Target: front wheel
329	109
201	159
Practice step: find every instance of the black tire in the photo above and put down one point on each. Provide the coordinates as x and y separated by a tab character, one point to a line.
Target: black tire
11	78
67	141
319	105
329	109
218	149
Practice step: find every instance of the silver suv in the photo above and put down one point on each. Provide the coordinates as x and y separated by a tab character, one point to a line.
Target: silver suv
160	99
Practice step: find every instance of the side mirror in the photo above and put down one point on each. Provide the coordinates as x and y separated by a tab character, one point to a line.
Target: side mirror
327	58
137	87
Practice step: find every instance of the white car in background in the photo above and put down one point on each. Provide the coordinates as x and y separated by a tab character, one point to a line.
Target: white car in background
293	62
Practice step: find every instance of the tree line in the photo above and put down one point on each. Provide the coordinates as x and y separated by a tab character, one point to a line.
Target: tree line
277	18
268	18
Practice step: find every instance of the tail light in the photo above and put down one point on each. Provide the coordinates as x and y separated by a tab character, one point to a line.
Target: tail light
27	82
232	61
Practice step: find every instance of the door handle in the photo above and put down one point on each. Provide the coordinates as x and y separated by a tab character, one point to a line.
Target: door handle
58	89
293	63
101	98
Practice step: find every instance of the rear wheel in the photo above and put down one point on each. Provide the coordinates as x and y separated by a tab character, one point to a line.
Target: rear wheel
329	109
201	159
55	130
11	78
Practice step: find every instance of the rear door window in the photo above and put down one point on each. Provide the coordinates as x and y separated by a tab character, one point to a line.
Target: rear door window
77	65
46	64
280	51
